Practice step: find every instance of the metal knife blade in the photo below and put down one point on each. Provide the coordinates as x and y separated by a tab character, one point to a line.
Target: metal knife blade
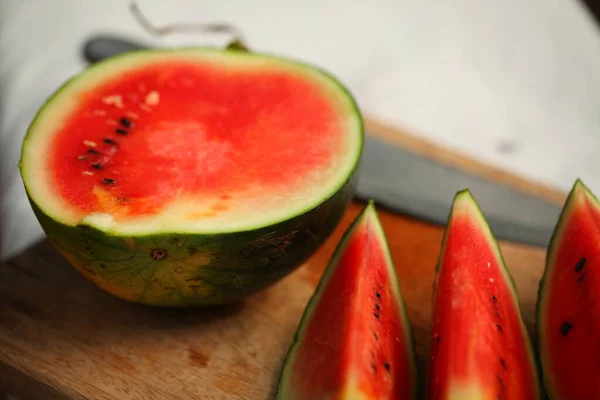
411	184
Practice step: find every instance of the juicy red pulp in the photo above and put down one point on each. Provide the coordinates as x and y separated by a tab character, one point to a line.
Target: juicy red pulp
477	336
571	321
355	337
187	128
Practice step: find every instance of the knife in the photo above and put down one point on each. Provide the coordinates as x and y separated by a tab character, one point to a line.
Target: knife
411	184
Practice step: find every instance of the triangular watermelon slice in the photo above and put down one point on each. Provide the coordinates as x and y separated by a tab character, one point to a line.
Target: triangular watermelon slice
354	340
569	302
480	348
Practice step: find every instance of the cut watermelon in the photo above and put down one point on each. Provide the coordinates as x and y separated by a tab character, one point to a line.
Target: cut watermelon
568	321
480	348
192	176
354	340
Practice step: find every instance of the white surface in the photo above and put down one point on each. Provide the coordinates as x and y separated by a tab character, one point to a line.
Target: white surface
479	76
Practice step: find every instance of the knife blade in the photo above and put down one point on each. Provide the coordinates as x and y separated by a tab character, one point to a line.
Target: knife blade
408	183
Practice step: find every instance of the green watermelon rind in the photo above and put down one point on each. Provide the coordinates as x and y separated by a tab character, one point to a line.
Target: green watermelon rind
566	210
174	269
466	195
369	211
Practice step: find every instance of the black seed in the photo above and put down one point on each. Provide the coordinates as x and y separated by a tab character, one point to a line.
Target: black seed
109	141
499	327
581	277
494	299
565	328
377	307
94	152
102	266
500	381
108	181
503	363
373	367
580	264
376	315
386	366
378	295
120	131
97	166
437	339
375	336
125	122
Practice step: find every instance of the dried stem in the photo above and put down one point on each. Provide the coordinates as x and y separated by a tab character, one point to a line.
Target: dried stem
237	42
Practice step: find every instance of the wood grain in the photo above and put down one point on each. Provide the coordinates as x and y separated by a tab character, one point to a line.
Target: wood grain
63	338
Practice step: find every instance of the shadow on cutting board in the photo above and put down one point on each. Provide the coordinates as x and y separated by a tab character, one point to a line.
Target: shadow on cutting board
47	307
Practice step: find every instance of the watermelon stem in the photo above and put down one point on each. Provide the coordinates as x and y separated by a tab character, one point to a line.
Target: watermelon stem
237	43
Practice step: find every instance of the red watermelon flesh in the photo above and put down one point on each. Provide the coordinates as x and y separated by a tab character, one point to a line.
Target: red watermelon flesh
207	141
480	348
569	302
354	341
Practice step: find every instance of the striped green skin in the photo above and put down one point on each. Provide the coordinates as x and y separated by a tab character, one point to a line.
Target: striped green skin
175	270
182	270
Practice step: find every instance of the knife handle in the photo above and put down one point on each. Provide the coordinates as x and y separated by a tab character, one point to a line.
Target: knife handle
98	48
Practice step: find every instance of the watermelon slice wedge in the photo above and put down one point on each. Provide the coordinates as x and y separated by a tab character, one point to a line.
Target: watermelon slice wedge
568	322
480	348
354	340
176	177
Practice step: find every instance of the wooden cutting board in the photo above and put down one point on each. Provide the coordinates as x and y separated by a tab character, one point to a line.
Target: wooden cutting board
61	337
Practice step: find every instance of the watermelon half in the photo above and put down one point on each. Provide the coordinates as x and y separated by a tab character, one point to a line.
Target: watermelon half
479	348
192	176
354	340
568	321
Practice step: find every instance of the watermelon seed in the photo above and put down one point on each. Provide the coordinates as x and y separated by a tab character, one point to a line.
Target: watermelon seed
565	328
109	141
89	143
377	307
580	264
88	173
376	315
158	254
499	327
375	336
97	166
494	298
378	295
120	131
144	107
580	279
125	122
502	362
81	157
108	181
373	367
386	365
152	98
94	152
102	266
500	381
115	100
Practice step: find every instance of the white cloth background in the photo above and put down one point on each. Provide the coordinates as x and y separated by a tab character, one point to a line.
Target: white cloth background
478	76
